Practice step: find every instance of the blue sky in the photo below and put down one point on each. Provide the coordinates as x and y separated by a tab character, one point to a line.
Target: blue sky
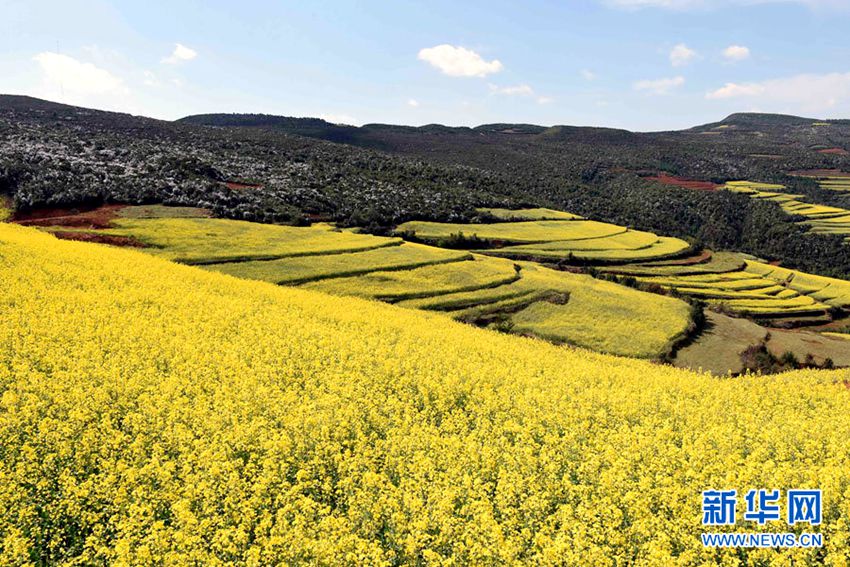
637	64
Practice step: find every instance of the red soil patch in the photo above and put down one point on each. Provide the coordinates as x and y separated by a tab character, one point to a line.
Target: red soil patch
665	179
93	218
700	258
237	186
100	238
835	152
318	218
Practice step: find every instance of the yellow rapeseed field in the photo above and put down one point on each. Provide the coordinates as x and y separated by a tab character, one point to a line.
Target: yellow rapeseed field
157	414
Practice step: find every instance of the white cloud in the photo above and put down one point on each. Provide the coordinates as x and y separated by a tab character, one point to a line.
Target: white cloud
180	54
150	79
800	94
458	61
681	55
515	90
735	90
412	102
736	53
520	90
659	86
69	80
75	76
588	75
344	119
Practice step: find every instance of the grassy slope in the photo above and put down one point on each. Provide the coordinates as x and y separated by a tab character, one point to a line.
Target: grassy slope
158	412
719	347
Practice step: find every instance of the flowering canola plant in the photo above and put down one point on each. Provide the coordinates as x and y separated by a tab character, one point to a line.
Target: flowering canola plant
152	413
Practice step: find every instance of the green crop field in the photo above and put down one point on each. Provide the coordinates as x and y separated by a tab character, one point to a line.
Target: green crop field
499	286
595	249
833	291
479	273
301	269
601	315
831	182
528	214
629	240
524	231
719	263
821	219
460	301
206	241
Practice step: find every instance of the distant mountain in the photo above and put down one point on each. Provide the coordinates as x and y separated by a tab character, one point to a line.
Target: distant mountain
310	127
772	123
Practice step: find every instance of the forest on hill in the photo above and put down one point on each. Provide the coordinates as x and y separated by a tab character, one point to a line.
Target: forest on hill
287	170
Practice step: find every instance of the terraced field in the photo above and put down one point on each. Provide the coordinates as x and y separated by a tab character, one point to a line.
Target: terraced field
821	219
628	246
718	349
302	269
526	232
208	241
457	277
524	297
753	288
726	282
507	285
530	299
832	180
775	298
835	183
568	240
529	214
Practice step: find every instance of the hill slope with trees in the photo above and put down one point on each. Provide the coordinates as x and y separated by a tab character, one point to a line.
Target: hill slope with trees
278	169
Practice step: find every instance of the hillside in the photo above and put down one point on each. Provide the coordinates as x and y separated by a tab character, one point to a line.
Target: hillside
274	169
151	410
